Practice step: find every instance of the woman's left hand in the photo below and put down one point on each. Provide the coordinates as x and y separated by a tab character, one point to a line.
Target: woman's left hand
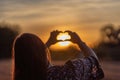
53	38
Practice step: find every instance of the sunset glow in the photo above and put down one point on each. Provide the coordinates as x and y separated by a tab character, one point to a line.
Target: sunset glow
63	36
64	43
85	17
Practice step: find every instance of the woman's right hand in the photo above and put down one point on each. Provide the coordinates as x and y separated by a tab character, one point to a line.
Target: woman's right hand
74	37
53	37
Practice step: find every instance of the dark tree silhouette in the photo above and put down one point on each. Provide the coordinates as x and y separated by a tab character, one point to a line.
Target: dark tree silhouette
118	35
110	34
109	46
8	32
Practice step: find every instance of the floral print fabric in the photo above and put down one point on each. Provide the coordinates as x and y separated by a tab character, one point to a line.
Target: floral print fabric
77	69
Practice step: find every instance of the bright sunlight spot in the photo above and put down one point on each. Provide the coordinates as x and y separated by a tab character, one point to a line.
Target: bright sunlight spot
64	43
63	36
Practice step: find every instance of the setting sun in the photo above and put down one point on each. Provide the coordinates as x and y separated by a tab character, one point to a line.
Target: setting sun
64	43
63	36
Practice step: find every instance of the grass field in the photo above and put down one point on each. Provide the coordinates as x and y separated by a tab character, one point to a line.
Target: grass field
111	69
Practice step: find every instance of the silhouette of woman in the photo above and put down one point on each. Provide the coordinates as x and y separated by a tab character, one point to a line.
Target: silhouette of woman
31	60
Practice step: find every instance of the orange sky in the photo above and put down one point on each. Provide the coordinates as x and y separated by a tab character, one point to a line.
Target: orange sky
85	17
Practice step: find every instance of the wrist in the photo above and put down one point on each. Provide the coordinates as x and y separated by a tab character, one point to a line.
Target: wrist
48	44
80	43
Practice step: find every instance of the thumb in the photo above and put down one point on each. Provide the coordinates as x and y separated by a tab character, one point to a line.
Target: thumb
59	40
68	40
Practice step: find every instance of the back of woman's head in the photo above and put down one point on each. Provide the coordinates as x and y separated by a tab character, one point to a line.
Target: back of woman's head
30	58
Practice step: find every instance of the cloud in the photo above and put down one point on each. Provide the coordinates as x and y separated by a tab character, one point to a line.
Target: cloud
8	6
43	16
60	12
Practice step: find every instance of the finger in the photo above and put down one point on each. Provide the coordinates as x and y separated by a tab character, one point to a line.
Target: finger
59	40
60	32
57	31
74	33
68	40
68	31
53	31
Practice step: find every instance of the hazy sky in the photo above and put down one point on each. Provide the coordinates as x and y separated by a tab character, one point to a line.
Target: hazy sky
85	17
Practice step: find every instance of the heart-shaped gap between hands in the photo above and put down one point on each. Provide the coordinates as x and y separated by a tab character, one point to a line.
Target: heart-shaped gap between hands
63	36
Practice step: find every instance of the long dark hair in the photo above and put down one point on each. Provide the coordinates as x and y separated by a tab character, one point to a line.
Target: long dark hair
30	58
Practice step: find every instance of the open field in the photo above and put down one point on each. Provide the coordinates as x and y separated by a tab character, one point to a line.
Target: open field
111	69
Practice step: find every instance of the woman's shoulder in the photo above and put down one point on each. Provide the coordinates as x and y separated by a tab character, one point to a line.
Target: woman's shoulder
66	71
54	68
77	69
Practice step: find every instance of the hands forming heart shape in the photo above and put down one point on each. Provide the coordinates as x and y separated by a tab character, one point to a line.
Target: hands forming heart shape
59	36
63	36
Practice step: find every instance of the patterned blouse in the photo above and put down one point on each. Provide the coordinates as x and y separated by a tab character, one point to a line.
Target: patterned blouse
78	69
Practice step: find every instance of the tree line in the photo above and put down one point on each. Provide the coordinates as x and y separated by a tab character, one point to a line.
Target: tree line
107	48
8	32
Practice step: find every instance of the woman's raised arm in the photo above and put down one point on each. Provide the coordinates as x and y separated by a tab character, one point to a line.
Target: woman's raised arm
86	50
52	39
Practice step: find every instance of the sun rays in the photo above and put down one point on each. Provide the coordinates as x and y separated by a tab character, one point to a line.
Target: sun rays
63	37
